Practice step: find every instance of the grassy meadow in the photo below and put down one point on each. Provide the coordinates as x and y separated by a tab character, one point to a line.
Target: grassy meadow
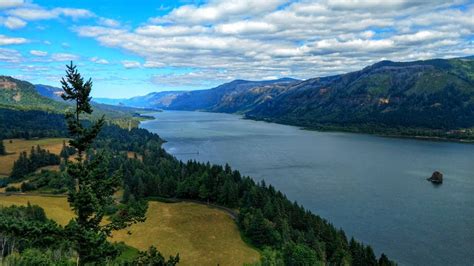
200	234
15	146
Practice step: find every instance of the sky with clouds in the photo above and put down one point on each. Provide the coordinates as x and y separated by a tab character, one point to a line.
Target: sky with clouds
135	47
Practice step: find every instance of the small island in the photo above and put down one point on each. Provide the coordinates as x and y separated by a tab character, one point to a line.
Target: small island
436	178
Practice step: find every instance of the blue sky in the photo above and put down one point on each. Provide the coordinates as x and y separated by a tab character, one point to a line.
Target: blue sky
135	47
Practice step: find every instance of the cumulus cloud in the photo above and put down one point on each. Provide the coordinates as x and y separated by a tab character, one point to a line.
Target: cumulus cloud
14	23
218	10
34	12
222	40
5	40
100	61
60	57
130	64
19	12
38	53
298	38
108	22
11	3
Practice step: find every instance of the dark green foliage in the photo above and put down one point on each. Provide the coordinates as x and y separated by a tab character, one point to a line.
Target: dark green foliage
12	189
27	227
66	151
363	255
28	124
31	257
94	186
48	181
2	148
27	164
300	255
153	257
384	261
271	257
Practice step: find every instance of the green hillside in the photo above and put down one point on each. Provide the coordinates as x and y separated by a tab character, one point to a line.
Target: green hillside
433	94
21	95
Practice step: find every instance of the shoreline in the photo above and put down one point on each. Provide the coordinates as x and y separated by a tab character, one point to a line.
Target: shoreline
336	129
361	131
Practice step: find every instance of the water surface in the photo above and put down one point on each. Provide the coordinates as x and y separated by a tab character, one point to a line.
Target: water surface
374	188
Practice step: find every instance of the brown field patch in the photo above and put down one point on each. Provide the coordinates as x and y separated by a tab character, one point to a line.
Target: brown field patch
17	146
201	235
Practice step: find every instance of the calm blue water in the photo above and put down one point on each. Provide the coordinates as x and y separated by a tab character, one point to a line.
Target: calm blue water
372	187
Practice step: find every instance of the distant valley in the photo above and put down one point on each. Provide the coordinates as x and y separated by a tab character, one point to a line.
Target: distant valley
431	98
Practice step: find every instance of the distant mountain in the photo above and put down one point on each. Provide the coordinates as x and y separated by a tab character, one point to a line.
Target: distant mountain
51	92
155	100
18	94
214	99
421	96
434	94
22	95
211	99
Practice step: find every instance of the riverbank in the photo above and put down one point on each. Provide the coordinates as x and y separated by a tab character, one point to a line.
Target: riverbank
459	136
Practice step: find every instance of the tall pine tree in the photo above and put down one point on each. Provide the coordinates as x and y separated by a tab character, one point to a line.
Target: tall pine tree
94	187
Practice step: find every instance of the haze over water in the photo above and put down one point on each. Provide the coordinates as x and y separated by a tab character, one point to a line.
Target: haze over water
374	188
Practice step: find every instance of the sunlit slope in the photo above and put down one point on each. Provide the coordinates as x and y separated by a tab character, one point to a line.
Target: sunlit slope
200	234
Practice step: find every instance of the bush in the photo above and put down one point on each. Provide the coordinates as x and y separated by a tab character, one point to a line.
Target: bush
12	189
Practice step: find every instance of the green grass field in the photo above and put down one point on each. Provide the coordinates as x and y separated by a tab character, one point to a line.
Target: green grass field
201	235
17	146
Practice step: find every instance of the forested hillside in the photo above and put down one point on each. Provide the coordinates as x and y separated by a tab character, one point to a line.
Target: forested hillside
284	230
22	95
210	99
432	94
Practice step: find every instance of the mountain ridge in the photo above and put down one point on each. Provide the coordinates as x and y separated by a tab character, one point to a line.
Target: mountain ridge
22	95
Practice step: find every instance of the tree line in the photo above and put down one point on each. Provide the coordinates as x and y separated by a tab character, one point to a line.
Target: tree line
28	163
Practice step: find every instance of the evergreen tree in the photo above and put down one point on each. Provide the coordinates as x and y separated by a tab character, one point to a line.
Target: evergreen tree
94	187
21	167
154	257
2	148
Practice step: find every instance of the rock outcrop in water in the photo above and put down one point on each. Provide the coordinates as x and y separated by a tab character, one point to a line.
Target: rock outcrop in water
436	178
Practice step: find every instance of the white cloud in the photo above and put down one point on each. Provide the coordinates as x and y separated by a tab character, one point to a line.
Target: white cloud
14	23
11	3
107	22
222	40
5	40
219	10
100	61
73	12
422	36
130	64
154	30
10	56
38	53
246	27
64	57
34	12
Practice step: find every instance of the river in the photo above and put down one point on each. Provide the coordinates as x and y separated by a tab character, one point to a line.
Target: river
374	188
